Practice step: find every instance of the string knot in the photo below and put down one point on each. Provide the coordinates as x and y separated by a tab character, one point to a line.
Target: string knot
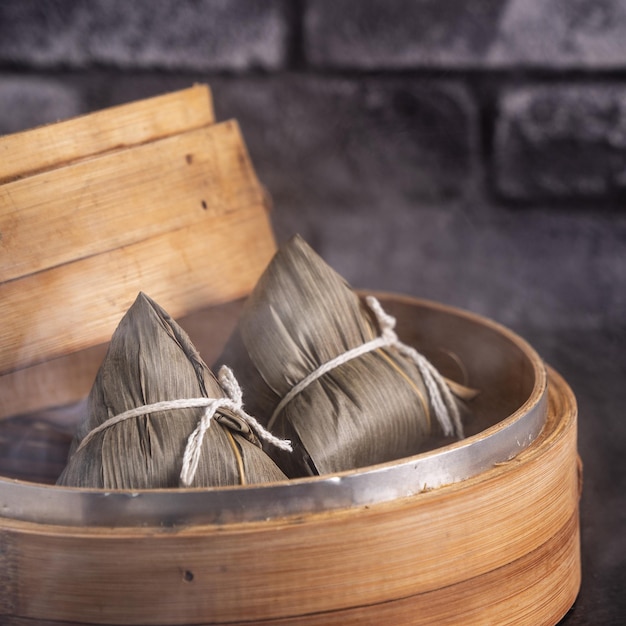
386	322
234	403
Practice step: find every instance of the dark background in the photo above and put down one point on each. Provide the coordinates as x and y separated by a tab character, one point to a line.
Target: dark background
470	152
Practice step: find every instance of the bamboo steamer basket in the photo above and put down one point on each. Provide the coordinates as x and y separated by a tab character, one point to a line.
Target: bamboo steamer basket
483	531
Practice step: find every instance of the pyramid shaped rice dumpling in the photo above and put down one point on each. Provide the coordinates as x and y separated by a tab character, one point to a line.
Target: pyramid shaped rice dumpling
151	359
372	408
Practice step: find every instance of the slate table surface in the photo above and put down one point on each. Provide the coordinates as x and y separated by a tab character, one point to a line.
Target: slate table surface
593	363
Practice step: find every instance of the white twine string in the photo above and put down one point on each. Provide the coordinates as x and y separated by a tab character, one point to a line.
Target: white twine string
193	449
442	401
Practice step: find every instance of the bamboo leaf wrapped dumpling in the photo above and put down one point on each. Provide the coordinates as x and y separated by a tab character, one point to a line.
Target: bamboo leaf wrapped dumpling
298	352
150	360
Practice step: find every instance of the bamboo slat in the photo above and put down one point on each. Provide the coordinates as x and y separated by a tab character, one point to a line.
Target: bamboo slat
123	197
501	548
51	383
46	147
68	378
78	305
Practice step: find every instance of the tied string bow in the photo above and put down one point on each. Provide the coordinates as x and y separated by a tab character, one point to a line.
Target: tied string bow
233	401
444	406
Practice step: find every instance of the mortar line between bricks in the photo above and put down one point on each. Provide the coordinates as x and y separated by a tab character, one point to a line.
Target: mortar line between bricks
507	74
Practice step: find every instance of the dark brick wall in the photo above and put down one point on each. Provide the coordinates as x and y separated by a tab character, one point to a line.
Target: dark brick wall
468	152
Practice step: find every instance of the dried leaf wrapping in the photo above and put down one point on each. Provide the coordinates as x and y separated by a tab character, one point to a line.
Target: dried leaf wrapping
302	314
151	359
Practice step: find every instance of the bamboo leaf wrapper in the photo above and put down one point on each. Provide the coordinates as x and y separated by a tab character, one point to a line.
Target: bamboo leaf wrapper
371	409
151	359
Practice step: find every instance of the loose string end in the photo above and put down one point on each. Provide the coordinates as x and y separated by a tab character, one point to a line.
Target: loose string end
444	406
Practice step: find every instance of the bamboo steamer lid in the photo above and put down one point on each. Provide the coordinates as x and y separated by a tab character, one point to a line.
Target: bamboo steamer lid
150	196
482	531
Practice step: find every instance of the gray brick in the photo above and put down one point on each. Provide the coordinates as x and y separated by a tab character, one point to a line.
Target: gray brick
346	143
372	34
168	34
561	141
28	102
540	269
344	169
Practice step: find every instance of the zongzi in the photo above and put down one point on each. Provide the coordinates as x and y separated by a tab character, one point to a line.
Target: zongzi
323	367
157	417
